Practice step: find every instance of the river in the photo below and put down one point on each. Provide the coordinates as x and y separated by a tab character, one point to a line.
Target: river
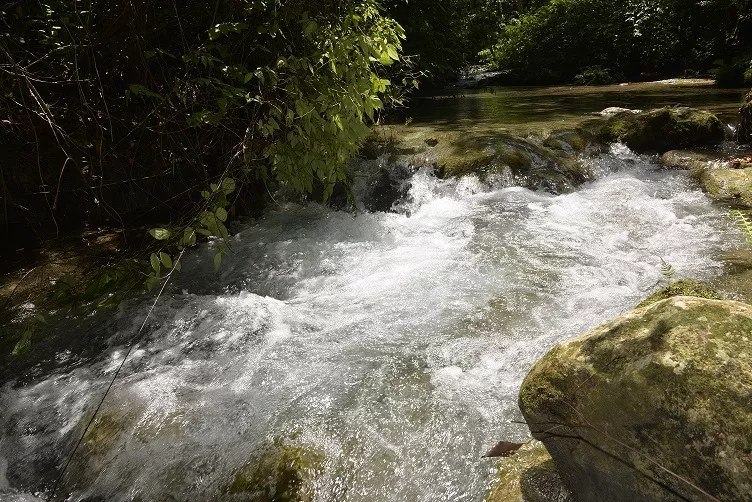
392	344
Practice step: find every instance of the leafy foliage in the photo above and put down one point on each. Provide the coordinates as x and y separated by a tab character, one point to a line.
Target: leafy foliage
447	36
116	108
594	75
556	40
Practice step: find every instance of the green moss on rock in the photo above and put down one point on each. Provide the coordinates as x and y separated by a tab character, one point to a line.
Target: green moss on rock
663	129
683	287
529	476
280	473
730	185
669	384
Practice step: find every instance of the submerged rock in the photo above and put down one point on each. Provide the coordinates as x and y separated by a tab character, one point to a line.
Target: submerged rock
730	185
663	129
529	476
281	473
682	287
656	405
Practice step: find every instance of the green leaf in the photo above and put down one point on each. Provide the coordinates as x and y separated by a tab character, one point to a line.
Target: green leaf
392	52
228	185
309	28
217	260
178	266
221	214
151	282
160	234
154	260
165	259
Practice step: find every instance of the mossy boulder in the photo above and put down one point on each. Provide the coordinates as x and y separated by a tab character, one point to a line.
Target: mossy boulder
730	185
663	129
530	163
280	473
656	405
682	287
529	476
572	141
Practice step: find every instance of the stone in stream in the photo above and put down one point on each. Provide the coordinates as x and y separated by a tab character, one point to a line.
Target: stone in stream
729	185
662	129
690	159
736	279
530	476
655	405
280	473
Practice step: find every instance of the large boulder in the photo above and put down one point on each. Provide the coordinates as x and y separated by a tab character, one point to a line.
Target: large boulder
551	164
663	129
656	405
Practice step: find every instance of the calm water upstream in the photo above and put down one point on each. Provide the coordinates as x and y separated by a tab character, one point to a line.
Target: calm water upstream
393	343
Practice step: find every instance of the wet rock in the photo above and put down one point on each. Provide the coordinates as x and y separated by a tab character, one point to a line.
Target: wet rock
387	187
579	140
682	287
736	280
663	129
281	473
667	387
530	476
730	185
687	159
614	110
530	164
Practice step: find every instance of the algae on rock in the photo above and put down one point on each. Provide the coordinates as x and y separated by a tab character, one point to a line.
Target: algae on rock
662	129
529	476
730	185
280	473
667	387
682	287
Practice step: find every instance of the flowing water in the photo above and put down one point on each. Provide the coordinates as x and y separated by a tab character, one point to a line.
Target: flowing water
392	344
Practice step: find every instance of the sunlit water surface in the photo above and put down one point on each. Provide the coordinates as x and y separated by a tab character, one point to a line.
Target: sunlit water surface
393	343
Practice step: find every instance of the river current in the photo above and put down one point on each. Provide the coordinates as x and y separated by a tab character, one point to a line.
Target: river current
393	344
